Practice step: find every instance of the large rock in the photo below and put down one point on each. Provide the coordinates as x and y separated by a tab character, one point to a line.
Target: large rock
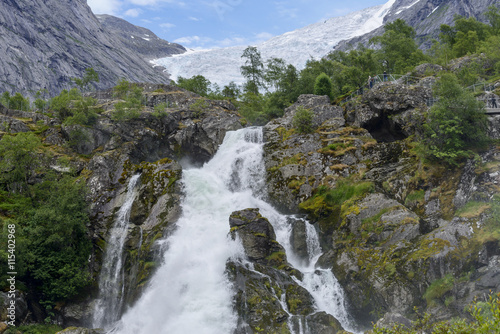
258	237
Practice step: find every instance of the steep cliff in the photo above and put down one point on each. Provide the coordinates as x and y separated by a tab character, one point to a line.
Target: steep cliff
43	44
392	225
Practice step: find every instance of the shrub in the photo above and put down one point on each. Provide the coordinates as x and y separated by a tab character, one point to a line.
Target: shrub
302	120
323	85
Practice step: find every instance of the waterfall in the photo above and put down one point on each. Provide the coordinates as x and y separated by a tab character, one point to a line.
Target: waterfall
190	292
111	285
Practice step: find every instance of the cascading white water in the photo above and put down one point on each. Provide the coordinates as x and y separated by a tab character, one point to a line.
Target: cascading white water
108	307
190	292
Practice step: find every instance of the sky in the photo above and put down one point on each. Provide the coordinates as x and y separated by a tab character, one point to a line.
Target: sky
206	24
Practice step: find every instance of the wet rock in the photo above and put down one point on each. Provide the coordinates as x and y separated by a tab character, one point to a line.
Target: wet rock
258	237
74	314
323	323
298	238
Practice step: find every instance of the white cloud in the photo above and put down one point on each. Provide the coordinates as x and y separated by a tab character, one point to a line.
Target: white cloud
134	12
285	11
167	25
105	6
192	18
188	40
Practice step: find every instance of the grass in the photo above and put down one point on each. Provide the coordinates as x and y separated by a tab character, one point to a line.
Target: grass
473	209
325	199
438	289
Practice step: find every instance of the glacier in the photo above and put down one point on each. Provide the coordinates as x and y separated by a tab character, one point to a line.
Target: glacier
222	65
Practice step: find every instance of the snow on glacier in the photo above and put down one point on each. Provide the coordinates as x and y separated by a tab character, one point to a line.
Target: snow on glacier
222	65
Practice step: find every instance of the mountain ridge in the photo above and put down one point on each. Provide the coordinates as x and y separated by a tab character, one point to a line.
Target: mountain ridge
40	50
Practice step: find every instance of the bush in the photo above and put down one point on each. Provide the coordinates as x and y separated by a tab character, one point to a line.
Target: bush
302	120
133	101
323	85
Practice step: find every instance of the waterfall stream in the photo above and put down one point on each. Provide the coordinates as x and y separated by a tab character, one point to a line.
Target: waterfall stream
190	292
111	286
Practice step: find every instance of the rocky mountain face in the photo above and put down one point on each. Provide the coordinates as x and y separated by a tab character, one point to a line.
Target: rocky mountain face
426	17
140	40
43	44
391	225
410	224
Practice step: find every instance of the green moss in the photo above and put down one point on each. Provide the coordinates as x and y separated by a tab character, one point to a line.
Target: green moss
473	209
415	196
438	288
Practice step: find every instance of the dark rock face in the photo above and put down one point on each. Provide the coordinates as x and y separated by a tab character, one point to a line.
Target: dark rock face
267	298
41	50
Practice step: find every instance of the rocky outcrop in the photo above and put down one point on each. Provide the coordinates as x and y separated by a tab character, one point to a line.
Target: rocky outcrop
392	225
268	299
40	50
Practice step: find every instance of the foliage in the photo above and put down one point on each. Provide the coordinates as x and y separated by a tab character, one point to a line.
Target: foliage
485	320
19	160
325	200
398	51
438	288
302	120
197	84
456	123
34	329
231	91
17	101
89	77
323	85
132	103
160	110
199	107
72	108
253	70
55	233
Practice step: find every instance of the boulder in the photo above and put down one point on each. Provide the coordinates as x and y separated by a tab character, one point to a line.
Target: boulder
257	237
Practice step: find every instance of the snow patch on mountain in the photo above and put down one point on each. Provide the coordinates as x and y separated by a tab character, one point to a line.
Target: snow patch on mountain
222	66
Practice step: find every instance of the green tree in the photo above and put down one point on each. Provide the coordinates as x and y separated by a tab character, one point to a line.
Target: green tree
398	49
58	247
456	124
19	160
89	77
323	85
197	84
231	91
132	103
253	70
